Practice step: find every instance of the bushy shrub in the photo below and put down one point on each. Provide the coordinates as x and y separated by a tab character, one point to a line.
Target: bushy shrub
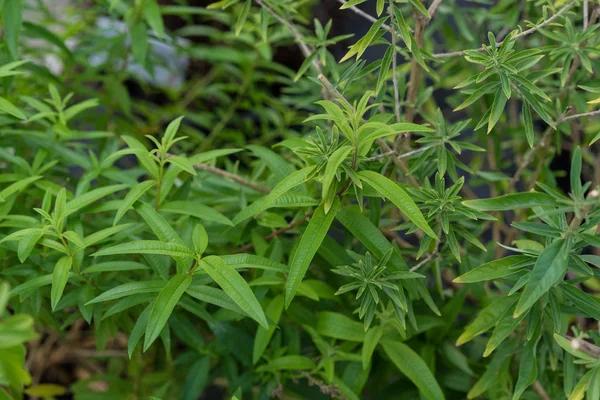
184	211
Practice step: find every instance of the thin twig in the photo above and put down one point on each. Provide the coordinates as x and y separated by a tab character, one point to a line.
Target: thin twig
433	7
585	347
519	35
582	115
228	175
276	233
394	64
539	389
529	157
414	81
424	261
304	48
403	155
585	14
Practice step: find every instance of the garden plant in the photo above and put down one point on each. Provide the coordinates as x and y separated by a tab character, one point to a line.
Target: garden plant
257	199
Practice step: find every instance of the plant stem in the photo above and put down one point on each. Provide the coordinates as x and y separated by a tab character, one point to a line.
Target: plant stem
228	175
519	35
394	63
277	232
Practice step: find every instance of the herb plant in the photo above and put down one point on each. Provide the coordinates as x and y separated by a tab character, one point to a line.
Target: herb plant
410	212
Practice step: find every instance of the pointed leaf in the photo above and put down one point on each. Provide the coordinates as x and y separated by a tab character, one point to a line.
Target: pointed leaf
391	191
310	242
164	305
235	286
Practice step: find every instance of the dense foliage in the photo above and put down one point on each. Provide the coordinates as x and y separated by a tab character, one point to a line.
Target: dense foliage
402	214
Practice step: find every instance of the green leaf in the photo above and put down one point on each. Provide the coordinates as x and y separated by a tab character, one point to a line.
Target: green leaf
497	109
372	338
548	270
241	20
153	17
211	155
60	276
101	235
361	45
113	266
504	328
88	198
31	284
331	169
12	14
293	180
131	197
235	286
308	61
17	187
403	28
568	347
589	305
288	363
195	209
510	202
351	3
390	190
527	370
415	369
263	336
595	139
528	124
494	269
4	295
242	260
487	318
575	174
139	42
138	329
214	296
164	305
309	244
369	235
148	247
339	326
279	166
183	163
199	238
8	107
384	68
420	7
128	289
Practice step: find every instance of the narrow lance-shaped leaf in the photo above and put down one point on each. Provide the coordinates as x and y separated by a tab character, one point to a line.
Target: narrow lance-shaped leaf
293	180
511	202
390	190
235	286
164	305
372	338
148	247
549	268
528	124
487	318
309	244
9	108
60	276
415	369
493	269
153	17
131	197
128	289
331	168
263	336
